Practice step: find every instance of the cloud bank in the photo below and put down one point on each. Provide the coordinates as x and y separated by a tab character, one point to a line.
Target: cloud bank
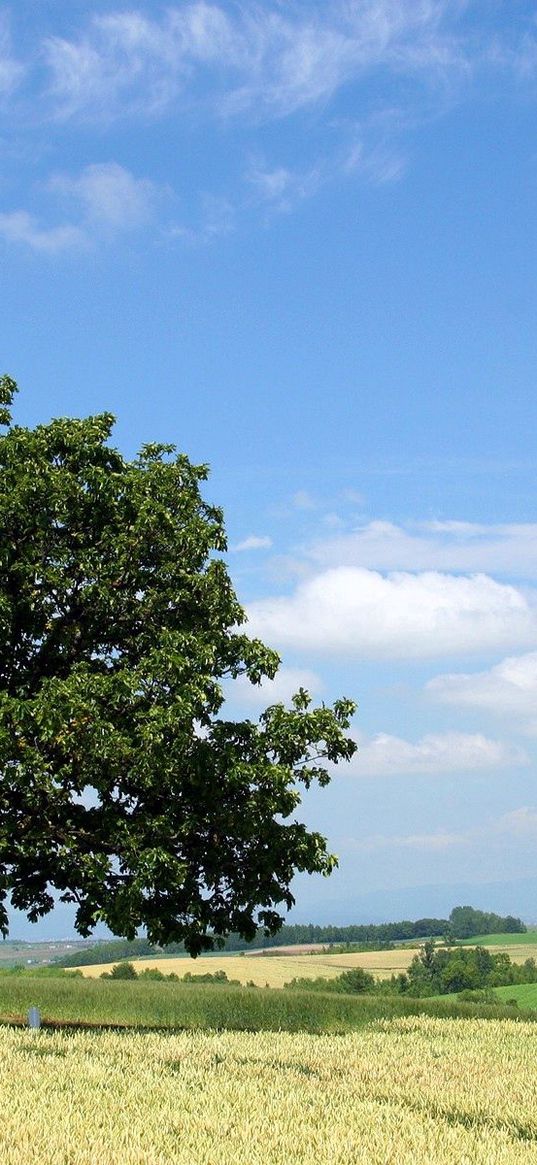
510	548
363	614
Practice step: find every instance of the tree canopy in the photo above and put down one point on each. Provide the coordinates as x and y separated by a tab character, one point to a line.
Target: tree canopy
122	788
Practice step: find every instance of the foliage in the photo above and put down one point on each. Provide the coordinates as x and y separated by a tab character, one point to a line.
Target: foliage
121	786
443	970
368	937
107	952
355	981
464	922
121	971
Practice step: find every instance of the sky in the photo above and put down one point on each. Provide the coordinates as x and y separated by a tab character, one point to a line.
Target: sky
298	240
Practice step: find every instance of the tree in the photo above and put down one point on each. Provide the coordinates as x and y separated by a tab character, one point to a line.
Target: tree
121	787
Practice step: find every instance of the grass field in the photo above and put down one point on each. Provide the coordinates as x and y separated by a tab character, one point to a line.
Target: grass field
529	939
412	1089
524	993
175	1005
275	971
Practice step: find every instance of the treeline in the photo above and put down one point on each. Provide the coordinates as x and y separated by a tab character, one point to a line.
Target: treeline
435	971
463	922
444	970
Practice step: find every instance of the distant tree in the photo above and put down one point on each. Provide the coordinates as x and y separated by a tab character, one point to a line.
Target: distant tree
120	785
121	971
465	922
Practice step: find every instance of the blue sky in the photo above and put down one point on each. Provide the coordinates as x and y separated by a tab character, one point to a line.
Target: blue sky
299	241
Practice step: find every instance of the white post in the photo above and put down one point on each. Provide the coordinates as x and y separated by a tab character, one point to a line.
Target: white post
34	1017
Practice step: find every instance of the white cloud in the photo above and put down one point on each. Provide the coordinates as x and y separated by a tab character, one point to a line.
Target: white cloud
302	500
507	689
254	542
518	825
450	545
361	613
11	70
109	195
270	58
107	200
286	682
436	843
21	227
280	188
434	754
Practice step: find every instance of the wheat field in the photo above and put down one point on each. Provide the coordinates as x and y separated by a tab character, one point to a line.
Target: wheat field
274	970
414	1089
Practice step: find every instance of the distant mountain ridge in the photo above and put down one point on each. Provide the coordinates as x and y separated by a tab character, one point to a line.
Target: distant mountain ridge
518	897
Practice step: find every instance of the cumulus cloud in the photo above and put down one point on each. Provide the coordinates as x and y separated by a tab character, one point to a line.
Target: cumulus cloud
434	754
450	545
361	613
507	689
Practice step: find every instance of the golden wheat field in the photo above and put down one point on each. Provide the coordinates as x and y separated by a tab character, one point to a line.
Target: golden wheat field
274	970
435	1092
280	969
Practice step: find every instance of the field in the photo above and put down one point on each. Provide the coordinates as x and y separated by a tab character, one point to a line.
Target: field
275	970
145	1004
524	993
529	939
455	1092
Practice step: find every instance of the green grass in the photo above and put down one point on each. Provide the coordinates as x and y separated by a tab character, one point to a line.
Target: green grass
178	1006
524	993
501	940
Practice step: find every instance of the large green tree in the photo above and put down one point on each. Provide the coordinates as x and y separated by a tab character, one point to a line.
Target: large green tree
121	787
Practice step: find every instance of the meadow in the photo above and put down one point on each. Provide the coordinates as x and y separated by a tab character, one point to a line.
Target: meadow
415	1088
524	993
527	939
174	1005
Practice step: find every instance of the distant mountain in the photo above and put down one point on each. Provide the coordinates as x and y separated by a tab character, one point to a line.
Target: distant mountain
518	897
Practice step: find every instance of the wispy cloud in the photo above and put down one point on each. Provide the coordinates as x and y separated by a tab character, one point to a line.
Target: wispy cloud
517	826
253	542
353	612
270	59
109	196
11	70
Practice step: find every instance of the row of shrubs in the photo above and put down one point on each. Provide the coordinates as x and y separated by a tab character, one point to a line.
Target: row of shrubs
126	970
